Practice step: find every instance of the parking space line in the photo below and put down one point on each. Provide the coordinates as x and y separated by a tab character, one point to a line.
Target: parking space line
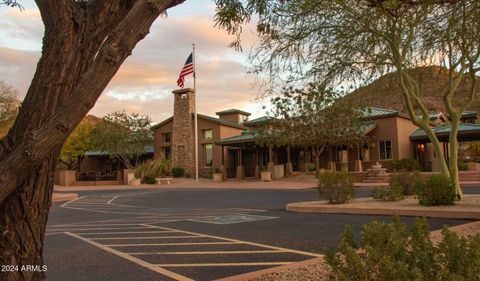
241	242
65	204
101	228
172	244
123	232
221	264
208	252
111	200
140	262
150	237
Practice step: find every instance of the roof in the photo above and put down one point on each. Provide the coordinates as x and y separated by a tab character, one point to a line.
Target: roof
466	131
245	136
248	136
230	111
377	113
205	117
258	121
469	114
148	150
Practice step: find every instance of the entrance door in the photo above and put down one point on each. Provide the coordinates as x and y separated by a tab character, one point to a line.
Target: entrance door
420	156
249	163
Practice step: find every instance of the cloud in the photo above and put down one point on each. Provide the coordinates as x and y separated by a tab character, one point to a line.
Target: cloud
144	82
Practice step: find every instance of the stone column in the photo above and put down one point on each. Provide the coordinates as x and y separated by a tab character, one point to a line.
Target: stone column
183	140
289	166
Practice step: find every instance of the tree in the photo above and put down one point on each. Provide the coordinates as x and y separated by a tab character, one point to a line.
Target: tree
346	41
84	44
77	144
312	117
9	105
123	136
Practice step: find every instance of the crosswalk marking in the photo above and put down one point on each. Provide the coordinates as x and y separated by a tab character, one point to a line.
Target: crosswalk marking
220	264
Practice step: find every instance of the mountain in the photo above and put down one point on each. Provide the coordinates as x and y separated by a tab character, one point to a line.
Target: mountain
386	93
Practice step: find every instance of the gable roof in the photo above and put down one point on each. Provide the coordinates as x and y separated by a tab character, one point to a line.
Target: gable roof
377	113
465	131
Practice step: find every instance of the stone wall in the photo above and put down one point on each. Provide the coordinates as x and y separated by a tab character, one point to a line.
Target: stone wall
183	152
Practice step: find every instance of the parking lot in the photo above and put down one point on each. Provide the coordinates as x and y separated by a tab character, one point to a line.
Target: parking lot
188	234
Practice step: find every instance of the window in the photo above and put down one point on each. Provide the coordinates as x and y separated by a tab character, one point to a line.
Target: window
166	152
207	134
385	149
342	154
208	152
243	118
166	137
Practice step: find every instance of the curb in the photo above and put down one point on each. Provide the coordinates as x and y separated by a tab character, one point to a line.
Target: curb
310	207
59	197
262	272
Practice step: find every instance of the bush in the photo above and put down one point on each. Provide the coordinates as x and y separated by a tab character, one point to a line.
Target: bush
395	252
178	172
336	187
393	193
211	171
153	168
148	180
405	181
437	190
406	164
462	165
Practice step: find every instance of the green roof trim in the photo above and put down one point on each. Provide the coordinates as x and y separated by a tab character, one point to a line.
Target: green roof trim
465	130
377	113
245	136
148	150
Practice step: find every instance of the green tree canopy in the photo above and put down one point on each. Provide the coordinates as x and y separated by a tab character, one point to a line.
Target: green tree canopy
78	143
312	117
124	136
9	104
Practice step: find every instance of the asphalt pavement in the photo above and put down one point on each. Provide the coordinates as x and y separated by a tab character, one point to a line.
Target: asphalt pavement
190	234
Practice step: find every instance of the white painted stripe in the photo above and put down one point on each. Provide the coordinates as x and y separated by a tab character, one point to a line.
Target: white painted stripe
171	244
208	252
149	237
111	200
221	264
102	228
240	241
140	262
65	204
123	232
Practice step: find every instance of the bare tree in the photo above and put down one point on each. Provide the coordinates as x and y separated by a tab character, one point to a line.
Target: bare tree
84	44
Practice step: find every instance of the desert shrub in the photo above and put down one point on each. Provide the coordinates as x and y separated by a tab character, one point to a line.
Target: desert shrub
148	180
405	181
178	172
211	171
310	167
405	164
437	190
153	168
393	193
396	252
462	166
336	187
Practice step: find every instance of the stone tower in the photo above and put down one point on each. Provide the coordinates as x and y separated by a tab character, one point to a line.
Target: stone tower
183	139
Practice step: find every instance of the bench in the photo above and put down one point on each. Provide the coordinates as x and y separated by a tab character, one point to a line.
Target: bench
160	181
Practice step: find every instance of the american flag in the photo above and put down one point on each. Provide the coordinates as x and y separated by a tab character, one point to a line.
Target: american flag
186	70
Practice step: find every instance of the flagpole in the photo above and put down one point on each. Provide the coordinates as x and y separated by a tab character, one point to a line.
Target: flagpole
195	112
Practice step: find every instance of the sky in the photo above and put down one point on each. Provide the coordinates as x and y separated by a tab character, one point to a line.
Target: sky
146	79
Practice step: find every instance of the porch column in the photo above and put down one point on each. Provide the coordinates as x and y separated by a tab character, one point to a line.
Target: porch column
289	166
270	164
331	164
257	164
222	166
358	162
240	173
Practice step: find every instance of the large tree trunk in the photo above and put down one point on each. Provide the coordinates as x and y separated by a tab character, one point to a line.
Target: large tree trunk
84	45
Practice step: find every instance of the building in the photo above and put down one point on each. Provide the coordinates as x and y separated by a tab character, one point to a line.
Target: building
228	142
174	137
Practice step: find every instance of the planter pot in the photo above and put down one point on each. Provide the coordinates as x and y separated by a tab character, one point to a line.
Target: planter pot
377	166
266	176
134	182
218	177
